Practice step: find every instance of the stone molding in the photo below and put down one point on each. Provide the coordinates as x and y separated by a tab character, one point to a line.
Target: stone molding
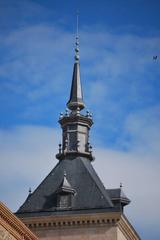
71	220
127	229
87	220
13	225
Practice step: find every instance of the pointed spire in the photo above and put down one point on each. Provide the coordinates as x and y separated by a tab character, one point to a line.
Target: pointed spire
76	96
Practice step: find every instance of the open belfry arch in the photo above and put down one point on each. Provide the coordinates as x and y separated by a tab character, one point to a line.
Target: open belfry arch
72	202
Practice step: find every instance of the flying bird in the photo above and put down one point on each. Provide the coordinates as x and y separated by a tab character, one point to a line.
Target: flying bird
155	57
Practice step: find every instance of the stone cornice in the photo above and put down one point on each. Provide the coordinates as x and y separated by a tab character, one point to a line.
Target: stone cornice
80	119
83	220
13	225
74	154
127	229
75	220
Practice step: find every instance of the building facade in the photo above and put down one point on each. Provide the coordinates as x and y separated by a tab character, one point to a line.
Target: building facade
72	202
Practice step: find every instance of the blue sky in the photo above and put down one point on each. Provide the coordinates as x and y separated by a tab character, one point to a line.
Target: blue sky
121	88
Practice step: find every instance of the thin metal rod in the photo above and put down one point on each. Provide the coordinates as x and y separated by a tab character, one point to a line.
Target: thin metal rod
77	29
77	40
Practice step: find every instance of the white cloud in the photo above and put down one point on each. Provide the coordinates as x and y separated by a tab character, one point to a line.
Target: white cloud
142	128
117	69
27	156
32	52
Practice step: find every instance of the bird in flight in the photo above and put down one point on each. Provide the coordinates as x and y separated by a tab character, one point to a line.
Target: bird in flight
155	57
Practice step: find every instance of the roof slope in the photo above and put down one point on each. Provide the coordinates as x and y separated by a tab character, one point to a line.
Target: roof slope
90	192
116	193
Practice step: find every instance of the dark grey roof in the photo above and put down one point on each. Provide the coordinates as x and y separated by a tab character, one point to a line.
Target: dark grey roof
117	194
76	95
90	192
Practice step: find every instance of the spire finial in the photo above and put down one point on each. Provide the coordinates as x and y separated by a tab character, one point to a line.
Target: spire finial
76	96
77	23
30	191
64	173
77	40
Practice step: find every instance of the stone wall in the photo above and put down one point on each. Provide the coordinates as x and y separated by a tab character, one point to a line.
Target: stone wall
78	233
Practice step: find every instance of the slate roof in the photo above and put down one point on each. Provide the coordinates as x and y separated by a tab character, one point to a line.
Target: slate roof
117	194
90	192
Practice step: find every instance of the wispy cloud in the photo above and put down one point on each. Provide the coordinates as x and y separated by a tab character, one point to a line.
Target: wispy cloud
31	54
24	151
143	128
21	13
117	69
118	62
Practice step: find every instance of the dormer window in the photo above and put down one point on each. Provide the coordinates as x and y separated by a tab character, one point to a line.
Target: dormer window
65	194
64	200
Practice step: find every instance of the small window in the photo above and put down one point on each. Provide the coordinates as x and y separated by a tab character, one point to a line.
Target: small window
64	200
72	127
72	141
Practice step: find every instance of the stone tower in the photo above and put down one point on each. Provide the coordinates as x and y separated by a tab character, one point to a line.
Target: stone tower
72	203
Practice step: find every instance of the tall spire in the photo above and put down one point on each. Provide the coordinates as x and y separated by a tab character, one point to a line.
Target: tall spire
76	95
75	125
